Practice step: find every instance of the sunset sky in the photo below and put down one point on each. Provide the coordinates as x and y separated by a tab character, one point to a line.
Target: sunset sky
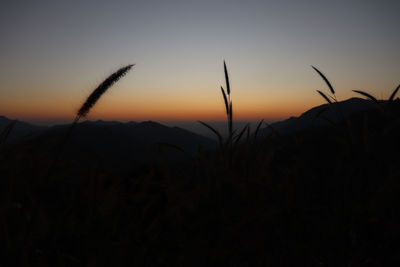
54	53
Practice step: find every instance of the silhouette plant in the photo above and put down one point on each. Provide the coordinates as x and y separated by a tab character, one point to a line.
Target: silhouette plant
391	98
87	106
91	101
228	107
329	85
330	99
228	103
99	91
231	145
82	112
381	105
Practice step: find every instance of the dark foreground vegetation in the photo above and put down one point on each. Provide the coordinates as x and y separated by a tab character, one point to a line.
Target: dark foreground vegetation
319	197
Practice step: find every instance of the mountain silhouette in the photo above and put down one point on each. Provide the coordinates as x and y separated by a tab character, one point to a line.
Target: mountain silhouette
139	141
132	141
20	129
320	116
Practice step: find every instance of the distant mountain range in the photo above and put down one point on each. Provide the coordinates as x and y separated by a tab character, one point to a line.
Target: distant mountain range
134	140
131	141
141	139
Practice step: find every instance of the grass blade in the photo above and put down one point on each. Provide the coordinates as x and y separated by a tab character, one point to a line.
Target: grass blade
228	88
226	100
324	96
394	94
239	136
220	140
325	79
230	118
257	129
367	95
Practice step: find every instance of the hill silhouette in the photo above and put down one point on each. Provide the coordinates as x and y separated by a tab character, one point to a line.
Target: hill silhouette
318	117
21	129
132	141
115	141
149	131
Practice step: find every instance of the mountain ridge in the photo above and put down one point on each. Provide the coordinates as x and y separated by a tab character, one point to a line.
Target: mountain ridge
310	119
316	117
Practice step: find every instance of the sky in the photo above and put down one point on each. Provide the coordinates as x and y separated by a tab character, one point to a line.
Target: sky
54	53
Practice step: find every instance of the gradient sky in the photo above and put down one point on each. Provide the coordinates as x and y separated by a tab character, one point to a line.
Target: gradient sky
54	53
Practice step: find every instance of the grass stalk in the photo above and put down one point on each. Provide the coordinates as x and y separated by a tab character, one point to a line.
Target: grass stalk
369	96
100	90
326	81
82	112
391	98
229	115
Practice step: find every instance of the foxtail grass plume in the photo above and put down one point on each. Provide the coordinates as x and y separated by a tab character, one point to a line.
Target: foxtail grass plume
100	90
82	112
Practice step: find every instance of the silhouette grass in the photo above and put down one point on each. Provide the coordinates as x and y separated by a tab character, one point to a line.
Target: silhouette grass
329	86
367	95
229	146
229	114
392	96
82	112
89	104
327	82
389	101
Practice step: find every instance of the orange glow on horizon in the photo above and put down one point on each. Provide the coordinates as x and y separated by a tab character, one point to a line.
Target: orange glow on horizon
200	105
193	112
